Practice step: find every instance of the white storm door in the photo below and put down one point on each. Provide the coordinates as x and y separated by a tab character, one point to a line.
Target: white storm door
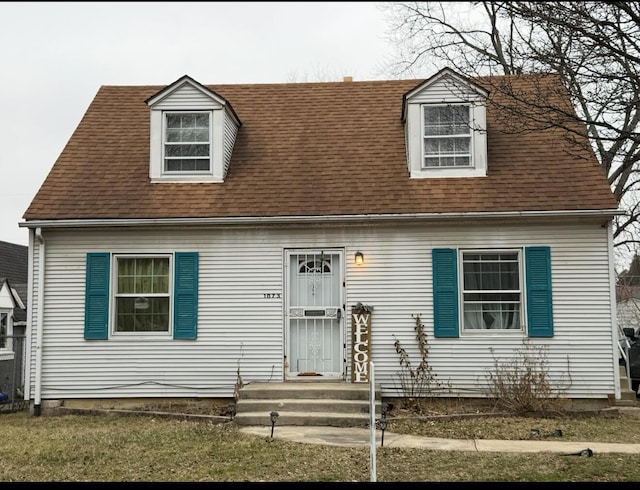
315	319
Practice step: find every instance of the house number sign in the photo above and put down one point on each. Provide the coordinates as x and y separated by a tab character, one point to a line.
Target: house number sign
272	295
360	345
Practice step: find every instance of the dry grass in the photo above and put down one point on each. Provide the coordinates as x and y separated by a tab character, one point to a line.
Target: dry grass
142	448
623	429
459	419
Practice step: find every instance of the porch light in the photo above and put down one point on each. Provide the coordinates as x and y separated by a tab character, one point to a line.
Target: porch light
359	258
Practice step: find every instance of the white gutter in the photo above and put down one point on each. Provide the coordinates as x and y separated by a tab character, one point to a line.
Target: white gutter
253	220
39	324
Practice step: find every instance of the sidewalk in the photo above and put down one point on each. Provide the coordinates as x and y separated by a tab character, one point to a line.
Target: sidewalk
360	437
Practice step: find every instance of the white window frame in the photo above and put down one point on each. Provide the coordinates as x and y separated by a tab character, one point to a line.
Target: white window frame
6	351
157	140
165	115
468	135
114	295
521	284
415	142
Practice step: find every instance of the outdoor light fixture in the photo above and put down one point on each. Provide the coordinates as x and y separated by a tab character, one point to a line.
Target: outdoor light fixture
359	258
231	410
274	416
382	423
385	408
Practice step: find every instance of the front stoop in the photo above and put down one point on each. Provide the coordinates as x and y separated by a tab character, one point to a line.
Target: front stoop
627	396
312	403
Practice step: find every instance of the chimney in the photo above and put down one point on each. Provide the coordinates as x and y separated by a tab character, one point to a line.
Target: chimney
347	79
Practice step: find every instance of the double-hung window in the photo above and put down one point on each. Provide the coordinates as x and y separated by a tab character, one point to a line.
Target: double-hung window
446	136
187	142
142	294
491	290
500	290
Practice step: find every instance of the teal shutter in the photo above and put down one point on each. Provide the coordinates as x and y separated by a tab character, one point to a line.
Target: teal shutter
185	309
96	300
539	303
445	292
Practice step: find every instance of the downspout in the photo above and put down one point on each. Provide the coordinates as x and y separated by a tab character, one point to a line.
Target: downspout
614	314
39	324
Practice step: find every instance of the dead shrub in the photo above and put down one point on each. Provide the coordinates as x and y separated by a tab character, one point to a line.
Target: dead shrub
417	382
522	382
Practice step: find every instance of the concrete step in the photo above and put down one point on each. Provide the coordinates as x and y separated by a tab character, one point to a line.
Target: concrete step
320	390
627	395
624	380
336	404
624	402
305	405
329	419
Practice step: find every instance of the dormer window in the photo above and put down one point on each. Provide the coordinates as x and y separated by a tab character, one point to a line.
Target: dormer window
187	142
447	136
446	128
193	131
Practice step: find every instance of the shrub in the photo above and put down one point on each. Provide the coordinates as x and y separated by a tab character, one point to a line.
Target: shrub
522	383
420	381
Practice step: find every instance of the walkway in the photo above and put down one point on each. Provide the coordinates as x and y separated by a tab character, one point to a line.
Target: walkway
360	437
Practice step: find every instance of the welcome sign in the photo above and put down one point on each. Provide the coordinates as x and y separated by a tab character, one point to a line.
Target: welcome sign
360	344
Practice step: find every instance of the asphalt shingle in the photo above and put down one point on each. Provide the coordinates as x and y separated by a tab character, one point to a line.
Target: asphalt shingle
331	148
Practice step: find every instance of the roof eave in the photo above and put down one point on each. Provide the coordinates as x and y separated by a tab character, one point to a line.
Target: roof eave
254	220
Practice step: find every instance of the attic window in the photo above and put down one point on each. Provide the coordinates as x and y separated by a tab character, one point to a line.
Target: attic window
187	142
446	128
447	136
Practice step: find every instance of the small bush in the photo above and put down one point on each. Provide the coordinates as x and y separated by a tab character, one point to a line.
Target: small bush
416	382
522	382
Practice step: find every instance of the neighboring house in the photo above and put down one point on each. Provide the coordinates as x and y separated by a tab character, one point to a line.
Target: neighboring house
627	313
628	306
190	232
13	316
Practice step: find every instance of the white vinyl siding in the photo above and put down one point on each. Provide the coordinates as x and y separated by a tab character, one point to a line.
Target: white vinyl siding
230	133
241	324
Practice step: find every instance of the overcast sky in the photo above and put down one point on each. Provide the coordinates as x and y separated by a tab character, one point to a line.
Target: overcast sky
56	55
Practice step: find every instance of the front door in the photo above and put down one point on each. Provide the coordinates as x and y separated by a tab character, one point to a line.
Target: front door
314	313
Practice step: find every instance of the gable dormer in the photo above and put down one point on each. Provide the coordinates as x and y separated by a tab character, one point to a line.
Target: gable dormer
446	127
193	131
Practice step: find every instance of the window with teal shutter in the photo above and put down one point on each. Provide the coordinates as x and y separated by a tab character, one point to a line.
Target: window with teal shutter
141	295
185	318
539	300
445	292
96	304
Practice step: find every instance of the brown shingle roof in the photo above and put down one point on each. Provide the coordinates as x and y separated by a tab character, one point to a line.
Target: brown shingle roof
309	149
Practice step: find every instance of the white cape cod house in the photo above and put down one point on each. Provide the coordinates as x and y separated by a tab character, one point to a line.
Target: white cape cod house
190	232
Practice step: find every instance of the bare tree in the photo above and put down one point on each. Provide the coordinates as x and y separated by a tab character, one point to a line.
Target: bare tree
593	46
320	74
